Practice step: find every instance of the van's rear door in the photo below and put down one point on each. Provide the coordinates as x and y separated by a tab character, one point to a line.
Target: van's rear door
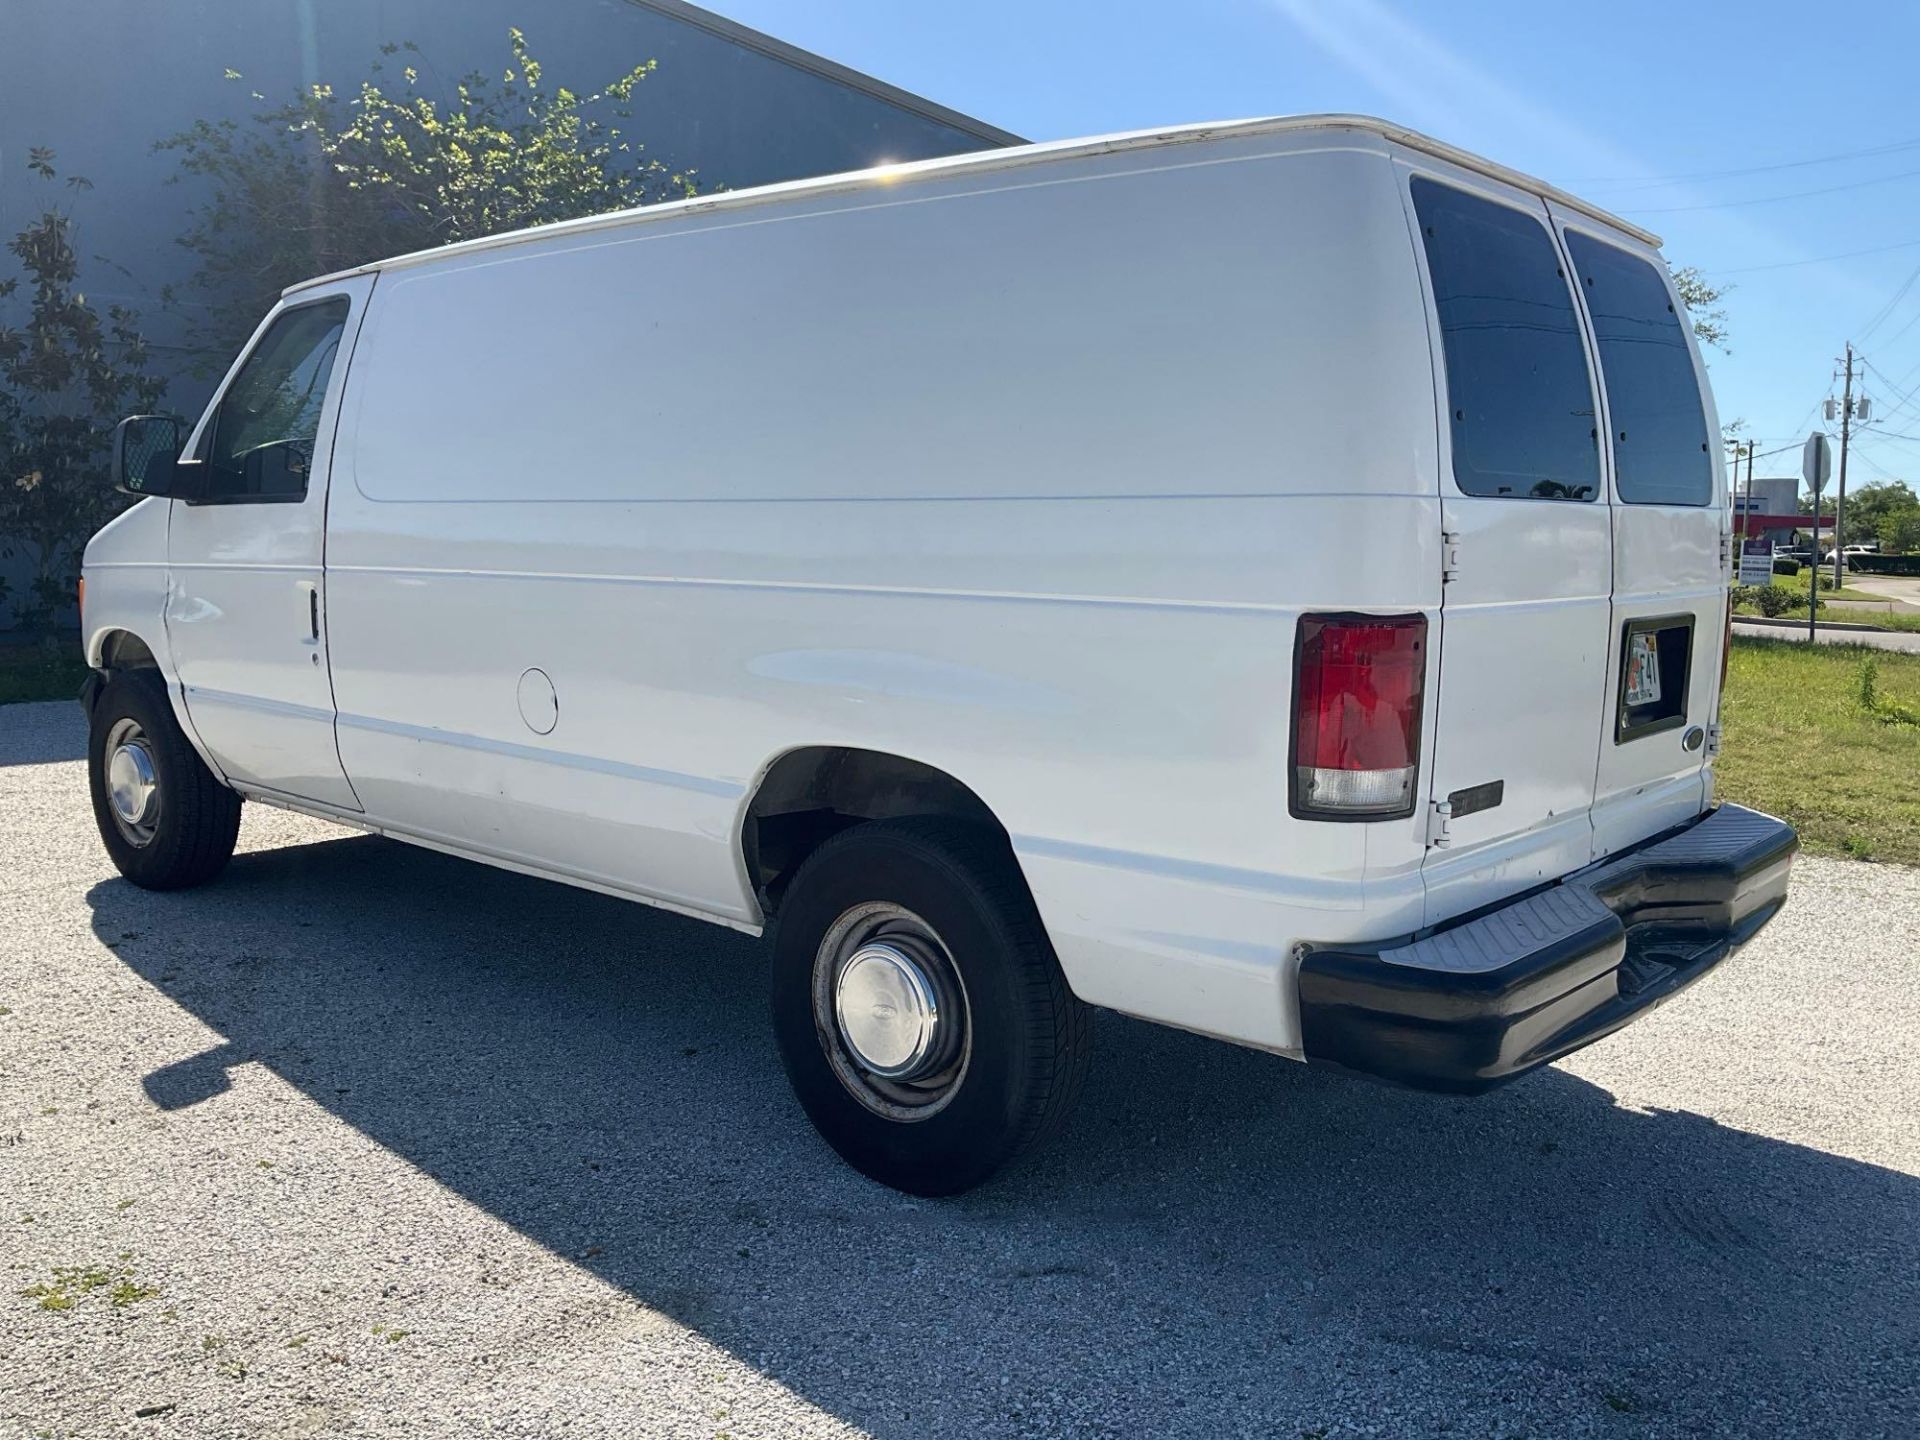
1671	532
1525	610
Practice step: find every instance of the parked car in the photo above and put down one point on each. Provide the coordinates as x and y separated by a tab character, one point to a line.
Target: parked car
1171	572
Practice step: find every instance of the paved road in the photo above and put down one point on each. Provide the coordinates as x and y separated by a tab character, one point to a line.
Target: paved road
1905	640
402	1146
1905	588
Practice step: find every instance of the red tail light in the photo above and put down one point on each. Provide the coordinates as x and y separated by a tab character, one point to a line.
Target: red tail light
1358	684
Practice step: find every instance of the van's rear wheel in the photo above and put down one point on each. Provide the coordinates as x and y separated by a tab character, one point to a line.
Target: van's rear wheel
166	821
922	1016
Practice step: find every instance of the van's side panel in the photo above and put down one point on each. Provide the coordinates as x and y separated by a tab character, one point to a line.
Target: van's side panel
1027	477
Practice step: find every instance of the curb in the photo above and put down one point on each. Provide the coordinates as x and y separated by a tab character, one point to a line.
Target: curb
1783	624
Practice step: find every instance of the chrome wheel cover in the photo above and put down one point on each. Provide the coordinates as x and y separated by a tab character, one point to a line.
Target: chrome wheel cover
132	782
891	1011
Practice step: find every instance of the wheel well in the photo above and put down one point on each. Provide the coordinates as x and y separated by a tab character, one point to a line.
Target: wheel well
811	794
124	650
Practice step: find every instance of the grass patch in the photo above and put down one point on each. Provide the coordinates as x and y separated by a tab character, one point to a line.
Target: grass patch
71	1282
1845	592
1800	745
40	671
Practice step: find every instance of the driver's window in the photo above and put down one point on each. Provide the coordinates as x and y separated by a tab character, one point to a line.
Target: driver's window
262	438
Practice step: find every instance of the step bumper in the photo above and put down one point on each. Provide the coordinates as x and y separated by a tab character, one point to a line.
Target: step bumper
1489	997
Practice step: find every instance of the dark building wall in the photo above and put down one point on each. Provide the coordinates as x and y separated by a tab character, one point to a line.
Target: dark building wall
99	81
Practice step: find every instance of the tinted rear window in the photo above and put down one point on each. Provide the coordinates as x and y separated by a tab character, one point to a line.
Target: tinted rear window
1660	454
1518	391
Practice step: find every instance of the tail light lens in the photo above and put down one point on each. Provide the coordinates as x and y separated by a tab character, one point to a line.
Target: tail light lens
1358	684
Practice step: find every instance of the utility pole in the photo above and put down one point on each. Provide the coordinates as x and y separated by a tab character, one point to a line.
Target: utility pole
1742	447
1734	490
1840	506
1752	446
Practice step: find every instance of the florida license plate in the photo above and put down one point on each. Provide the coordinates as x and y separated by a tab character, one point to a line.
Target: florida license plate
1643	670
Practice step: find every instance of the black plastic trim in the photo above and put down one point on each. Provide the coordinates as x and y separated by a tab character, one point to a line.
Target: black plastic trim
1625	728
1472	1004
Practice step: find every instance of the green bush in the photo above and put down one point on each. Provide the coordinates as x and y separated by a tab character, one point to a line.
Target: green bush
1770	600
1888	711
1885	564
68	373
1783	566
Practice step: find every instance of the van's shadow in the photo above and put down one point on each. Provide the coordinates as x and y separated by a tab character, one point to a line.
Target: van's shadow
1219	1229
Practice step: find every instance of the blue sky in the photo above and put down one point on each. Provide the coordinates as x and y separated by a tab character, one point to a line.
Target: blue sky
1608	101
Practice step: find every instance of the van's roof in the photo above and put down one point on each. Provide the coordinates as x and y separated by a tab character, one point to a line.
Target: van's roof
1007	158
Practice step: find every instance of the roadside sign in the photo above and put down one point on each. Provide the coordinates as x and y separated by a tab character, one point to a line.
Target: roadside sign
1756	563
1816	462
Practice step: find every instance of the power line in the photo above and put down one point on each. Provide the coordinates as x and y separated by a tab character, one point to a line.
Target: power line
1893	386
1901	398
1820	259
1894	338
1769	454
1646	183
1773	199
1884	471
1880	317
1812	409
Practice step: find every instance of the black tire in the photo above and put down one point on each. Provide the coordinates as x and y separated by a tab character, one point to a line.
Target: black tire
1028	1037
197	819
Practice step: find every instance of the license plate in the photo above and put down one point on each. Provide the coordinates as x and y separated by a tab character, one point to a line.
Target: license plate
1643	670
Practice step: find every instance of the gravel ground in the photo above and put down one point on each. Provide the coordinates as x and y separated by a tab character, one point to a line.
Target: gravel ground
366	1140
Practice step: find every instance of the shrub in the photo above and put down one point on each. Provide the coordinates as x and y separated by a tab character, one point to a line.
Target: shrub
1885	564
1769	600
1899	530
66	377
1867	694
1783	566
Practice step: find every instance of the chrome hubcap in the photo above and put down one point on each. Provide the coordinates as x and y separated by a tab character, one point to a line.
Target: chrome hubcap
133	785
891	1011
887	1010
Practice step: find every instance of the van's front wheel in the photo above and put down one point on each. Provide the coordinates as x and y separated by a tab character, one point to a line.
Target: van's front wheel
166	821
923	1019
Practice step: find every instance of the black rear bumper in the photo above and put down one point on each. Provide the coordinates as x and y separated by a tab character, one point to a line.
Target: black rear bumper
1481	1000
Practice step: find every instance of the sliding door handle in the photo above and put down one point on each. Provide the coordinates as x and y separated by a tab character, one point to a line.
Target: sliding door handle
312	589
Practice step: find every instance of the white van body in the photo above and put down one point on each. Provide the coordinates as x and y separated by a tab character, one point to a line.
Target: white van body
1021	467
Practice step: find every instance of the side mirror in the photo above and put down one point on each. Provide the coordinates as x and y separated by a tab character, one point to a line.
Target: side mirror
146	454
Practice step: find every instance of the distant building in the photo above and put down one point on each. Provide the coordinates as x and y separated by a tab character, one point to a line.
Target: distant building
1771	510
1774	495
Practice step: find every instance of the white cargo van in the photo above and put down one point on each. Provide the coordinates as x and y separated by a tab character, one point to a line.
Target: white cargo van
1267	578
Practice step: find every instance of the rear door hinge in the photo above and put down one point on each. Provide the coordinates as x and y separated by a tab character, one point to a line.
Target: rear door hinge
1726	554
1449	556
1713	741
1440	825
